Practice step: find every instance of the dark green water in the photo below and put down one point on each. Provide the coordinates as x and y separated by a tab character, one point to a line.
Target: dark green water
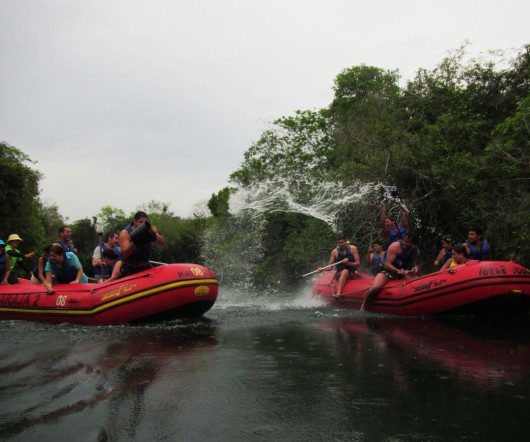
268	367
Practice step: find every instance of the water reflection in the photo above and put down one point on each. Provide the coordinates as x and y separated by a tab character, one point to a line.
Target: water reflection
470	349
300	372
105	372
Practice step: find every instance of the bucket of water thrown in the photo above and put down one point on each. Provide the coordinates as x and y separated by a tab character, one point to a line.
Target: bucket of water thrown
143	234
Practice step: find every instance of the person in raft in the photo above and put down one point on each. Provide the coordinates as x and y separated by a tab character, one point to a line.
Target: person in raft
459	256
63	268
4	264
375	257
16	256
400	262
98	265
38	274
390	229
65	239
111	267
446	252
476	246
348	256
136	244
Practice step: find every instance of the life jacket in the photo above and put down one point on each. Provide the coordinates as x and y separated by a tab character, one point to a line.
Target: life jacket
483	254
35	270
105	271
395	235
448	255
377	263
403	260
66	272
346	254
3	266
13	259
140	256
67	247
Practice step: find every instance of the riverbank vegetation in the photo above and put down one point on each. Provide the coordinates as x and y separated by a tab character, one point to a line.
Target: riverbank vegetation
452	144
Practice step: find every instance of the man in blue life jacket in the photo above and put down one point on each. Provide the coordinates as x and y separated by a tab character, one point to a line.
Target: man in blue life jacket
476	246
348	256
400	262
65	239
390	229
375	256
63	268
112	243
136	247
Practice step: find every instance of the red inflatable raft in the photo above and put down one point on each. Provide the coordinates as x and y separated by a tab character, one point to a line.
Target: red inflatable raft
474	287
165	292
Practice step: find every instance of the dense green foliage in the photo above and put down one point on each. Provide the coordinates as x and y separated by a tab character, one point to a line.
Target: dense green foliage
454	141
19	202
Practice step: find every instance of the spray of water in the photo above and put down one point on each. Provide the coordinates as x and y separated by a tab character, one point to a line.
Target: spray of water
233	248
325	201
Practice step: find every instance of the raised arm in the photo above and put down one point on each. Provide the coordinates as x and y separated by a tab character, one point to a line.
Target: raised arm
406	217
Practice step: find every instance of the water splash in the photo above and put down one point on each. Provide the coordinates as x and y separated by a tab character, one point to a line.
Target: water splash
233	247
325	201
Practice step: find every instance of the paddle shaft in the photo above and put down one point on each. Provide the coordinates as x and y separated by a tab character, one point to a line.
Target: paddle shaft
323	268
158	263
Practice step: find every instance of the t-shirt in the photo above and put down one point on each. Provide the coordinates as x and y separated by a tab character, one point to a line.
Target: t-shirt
58	270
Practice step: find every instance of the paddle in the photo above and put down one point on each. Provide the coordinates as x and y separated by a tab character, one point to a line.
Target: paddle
293	279
156	263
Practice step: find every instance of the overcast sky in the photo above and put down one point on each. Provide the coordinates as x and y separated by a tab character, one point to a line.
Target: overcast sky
122	102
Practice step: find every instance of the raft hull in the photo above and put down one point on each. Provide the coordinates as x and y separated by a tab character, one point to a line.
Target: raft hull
473	288
164	292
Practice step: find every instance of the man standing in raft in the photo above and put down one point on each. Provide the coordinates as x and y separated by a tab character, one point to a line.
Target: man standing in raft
136	244
400	262
348	256
390	229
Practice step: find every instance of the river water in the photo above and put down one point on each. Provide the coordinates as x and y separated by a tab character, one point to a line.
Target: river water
268	366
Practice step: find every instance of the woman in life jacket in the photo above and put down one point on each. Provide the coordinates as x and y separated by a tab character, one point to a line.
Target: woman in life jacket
16	256
63	268
38	275
446	252
459	256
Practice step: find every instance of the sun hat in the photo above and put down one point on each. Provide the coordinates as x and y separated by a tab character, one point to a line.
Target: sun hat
14	237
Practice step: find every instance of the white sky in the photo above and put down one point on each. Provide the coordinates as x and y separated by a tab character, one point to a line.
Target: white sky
122	102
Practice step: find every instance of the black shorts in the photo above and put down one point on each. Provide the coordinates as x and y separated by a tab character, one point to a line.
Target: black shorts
351	275
392	275
127	270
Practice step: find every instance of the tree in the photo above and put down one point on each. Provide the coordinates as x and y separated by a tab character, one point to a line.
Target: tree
110	219
219	202
294	145
19	196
